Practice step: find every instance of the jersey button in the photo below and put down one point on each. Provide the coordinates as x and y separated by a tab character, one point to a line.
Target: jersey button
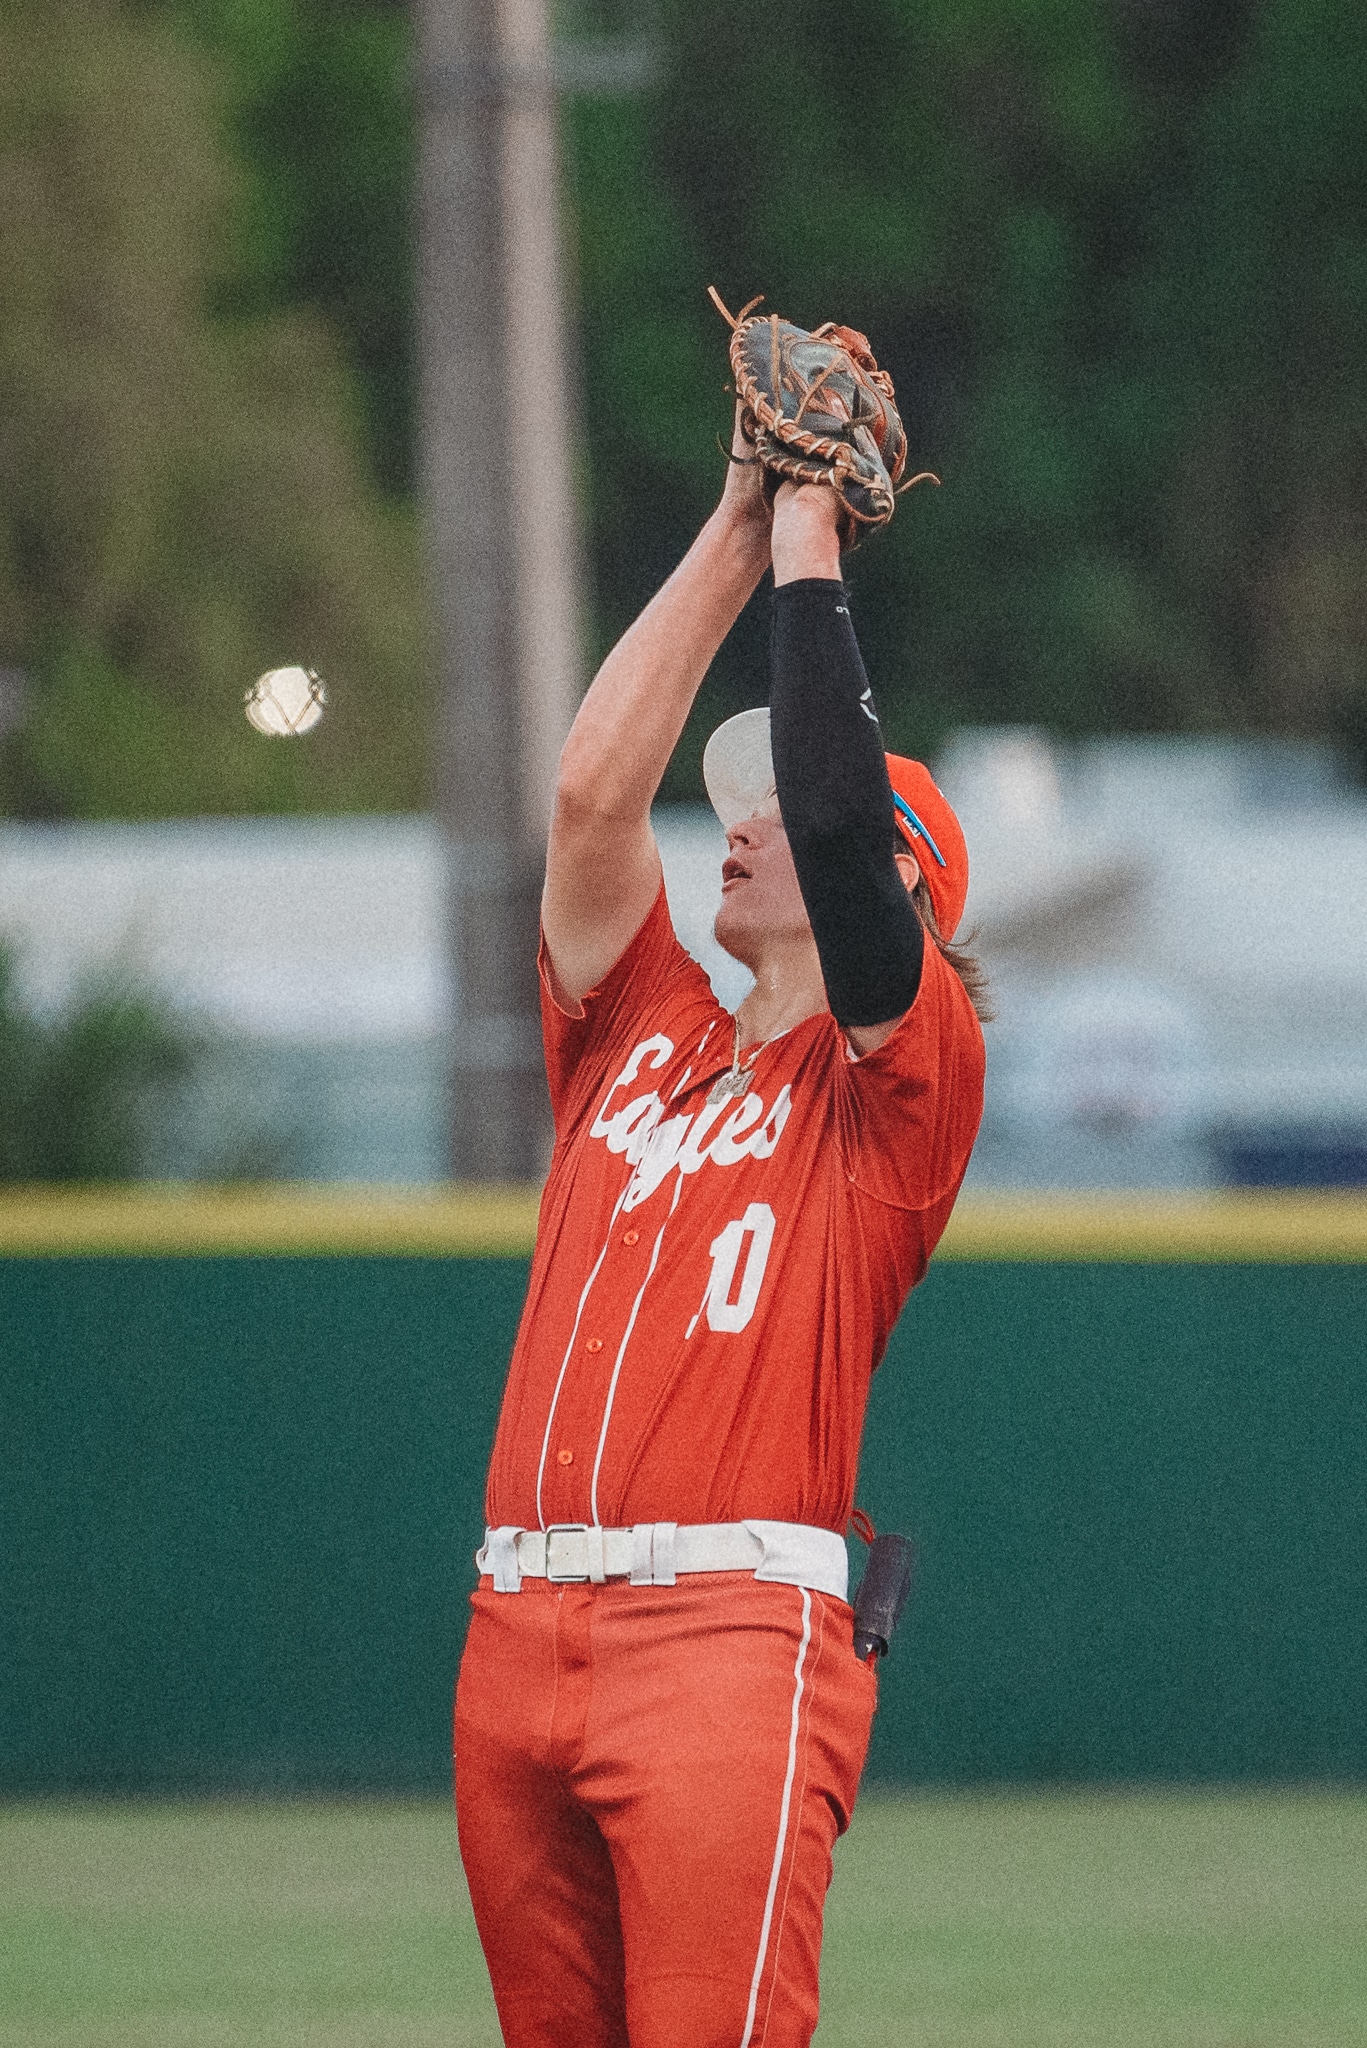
565	1457
632	1237
594	1344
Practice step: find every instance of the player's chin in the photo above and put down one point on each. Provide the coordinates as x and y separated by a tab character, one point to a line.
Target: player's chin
734	933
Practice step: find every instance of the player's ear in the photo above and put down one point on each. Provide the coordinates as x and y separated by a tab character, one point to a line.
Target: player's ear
909	870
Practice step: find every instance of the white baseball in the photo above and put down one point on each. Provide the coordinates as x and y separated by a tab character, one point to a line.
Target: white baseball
286	701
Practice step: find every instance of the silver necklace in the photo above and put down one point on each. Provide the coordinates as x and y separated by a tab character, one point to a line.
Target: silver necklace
739	1079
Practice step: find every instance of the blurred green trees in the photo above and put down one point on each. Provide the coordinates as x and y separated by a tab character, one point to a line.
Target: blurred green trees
317	104
1114	252
77	1088
185	500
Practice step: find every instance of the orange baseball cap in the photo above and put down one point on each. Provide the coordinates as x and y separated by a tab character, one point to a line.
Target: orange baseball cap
929	826
738	769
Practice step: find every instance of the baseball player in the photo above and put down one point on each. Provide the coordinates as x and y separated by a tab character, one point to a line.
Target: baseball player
660	1717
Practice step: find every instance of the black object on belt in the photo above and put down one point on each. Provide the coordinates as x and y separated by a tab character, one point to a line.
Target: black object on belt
882	1595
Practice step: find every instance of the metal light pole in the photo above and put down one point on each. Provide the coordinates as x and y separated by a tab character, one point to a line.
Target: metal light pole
502	538
502	522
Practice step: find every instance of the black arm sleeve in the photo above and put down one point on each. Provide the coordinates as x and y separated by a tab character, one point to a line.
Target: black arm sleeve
836	800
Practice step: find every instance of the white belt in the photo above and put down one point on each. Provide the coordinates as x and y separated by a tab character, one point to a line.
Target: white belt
655	1553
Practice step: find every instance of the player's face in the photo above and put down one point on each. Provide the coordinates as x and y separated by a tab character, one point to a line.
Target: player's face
760	897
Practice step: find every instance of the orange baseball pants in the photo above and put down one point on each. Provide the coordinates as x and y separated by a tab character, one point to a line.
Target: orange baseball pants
649	1782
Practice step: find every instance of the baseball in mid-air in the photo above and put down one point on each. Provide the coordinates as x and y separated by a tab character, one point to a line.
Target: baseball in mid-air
286	701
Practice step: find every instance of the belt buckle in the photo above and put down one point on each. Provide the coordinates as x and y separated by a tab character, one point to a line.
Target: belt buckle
566	1578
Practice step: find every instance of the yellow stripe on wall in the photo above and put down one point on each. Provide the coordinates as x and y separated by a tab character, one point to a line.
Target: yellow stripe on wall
308	1219
1288	1228
285	1220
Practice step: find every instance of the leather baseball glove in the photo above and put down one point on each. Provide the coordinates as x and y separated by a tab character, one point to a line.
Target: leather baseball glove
818	410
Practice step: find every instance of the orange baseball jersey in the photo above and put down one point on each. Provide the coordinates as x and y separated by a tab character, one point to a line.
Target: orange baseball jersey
716	1276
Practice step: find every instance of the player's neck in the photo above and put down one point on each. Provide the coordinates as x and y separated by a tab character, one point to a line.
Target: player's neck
788	988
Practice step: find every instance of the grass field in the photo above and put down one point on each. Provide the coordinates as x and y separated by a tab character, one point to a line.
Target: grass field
1200	1920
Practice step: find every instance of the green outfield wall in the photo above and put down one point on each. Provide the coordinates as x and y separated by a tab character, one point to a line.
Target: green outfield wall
243	1450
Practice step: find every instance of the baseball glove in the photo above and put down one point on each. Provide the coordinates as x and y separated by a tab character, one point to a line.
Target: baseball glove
818	410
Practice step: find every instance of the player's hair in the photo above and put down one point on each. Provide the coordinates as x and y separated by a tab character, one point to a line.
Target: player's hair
962	959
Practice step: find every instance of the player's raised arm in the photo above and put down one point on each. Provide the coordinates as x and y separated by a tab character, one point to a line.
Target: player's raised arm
603	869
829	435
832	780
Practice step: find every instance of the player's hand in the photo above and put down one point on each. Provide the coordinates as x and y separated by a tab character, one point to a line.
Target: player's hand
743	495
807	532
